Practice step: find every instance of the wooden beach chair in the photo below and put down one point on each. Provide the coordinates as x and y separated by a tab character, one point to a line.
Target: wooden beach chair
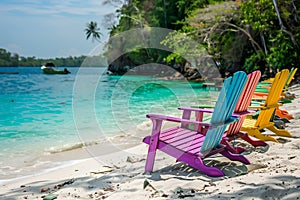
241	110
263	88
264	120
292	73
287	96
190	146
290	78
284	98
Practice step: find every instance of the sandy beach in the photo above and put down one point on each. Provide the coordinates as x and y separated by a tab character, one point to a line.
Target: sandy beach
274	173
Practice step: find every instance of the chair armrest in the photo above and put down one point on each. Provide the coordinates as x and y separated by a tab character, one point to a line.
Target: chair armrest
176	119
239	114
256	107
179	120
264	107
203	106
196	109
257	99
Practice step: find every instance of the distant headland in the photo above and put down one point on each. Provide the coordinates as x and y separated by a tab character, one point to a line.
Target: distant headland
8	59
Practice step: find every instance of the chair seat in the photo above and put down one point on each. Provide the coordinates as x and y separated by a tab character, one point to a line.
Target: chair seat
251	123
184	140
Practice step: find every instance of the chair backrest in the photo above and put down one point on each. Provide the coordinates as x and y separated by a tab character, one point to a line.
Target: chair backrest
227	100
247	94
290	78
272	100
244	101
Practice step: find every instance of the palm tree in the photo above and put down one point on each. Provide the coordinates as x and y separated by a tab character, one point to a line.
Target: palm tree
93	30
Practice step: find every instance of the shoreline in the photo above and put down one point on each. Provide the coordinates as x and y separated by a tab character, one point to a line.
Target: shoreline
274	172
51	160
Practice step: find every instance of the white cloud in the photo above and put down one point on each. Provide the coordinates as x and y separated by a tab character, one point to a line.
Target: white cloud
58	7
50	28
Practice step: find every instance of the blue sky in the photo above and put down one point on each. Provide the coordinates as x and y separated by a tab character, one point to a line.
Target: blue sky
50	28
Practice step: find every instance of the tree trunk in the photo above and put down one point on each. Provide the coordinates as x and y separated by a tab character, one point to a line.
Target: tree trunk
264	42
281	24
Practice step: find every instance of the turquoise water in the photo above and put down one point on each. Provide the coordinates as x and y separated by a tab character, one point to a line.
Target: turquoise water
43	114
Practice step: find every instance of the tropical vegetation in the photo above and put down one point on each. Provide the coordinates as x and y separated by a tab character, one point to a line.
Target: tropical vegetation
237	35
8	59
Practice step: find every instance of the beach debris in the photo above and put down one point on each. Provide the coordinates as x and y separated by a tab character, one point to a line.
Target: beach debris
283	140
183	193
253	167
291	157
109	189
211	183
50	197
155	191
119	167
135	160
164	195
102	171
71	181
155	176
97	195
296	146
147	184
132	160
45	189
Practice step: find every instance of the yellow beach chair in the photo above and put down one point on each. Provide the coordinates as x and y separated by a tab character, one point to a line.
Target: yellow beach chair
267	109
290	78
285	96
265	86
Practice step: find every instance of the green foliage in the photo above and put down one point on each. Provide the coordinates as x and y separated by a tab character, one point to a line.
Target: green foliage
281	41
156	13
206	28
240	35
260	14
93	31
282	53
184	48
254	62
13	60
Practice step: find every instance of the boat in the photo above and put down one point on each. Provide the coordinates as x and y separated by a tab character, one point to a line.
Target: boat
49	68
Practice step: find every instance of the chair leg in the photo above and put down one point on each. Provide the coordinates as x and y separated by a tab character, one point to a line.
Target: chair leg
280	132
151	153
235	157
150	161
230	148
210	171
254	143
256	133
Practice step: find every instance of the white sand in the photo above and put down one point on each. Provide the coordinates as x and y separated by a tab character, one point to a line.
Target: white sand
273	174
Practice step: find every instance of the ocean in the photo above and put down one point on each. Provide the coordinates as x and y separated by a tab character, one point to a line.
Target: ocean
43	114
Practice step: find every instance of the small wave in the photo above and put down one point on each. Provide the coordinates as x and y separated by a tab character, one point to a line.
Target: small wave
66	147
70	147
144	126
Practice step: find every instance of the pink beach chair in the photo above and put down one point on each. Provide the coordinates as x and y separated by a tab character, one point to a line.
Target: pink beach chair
191	146
241	110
